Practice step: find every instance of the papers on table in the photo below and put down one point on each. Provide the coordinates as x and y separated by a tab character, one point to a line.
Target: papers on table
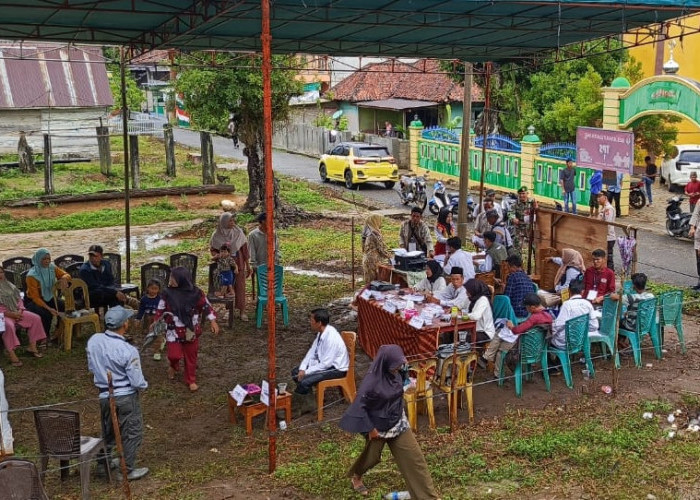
417	322
402	252
414	297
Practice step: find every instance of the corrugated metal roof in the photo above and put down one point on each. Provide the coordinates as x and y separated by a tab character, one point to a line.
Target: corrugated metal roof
471	30
49	75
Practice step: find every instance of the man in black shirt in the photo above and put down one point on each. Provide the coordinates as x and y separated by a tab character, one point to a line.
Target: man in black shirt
649	176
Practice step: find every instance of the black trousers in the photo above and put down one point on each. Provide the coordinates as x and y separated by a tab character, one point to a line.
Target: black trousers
616	198
306	384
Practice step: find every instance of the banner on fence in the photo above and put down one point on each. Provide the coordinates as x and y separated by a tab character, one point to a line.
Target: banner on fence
603	149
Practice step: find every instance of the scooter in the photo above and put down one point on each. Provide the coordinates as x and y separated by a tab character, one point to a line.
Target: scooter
412	190
507	203
442	199
677	221
637	197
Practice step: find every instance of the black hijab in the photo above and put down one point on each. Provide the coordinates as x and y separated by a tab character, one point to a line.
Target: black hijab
475	290
379	401
442	219
435	269
183	298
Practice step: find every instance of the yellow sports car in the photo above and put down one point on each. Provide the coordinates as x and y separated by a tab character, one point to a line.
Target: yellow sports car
358	162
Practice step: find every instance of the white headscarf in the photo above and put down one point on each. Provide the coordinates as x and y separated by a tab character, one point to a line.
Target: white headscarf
225	235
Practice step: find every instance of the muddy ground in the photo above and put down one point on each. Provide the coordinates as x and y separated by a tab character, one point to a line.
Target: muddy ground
184	430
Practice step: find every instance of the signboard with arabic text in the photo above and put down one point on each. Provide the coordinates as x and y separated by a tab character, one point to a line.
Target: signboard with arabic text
603	149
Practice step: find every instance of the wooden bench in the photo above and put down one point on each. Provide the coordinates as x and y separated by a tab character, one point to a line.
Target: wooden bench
252	409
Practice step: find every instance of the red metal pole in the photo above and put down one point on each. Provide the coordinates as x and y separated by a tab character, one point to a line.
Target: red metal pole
266	39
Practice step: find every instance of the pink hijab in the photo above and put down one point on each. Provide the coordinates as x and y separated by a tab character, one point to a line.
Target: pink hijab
569	258
225	235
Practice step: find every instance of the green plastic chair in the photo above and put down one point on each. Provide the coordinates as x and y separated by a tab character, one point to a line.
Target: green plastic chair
606	332
279	293
576	342
671	314
502	308
646	325
533	350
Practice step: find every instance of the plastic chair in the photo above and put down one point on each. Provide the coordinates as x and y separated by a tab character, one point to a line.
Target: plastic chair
576	341
19	479
279	293
18	265
213	286
115	260
186	260
465	366
155	270
606	332
59	437
66	260
533	351
646	325
74	269
671	314
502	308
68	322
347	383
420	397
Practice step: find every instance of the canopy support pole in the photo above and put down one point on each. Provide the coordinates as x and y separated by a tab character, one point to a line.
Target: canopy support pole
463	213
487	112
125	139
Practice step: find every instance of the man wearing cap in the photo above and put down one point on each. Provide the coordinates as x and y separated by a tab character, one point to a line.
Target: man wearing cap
490	195
567	183
454	294
257	244
415	234
481	224
97	274
110	352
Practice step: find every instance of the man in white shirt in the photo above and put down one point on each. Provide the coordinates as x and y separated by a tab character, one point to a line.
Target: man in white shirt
575	306
326	359
459	258
454	294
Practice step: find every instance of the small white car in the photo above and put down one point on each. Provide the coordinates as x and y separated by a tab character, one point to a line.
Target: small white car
675	170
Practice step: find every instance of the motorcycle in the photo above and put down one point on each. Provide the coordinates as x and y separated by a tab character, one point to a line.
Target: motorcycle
442	199
637	197
412	190
507	203
677	221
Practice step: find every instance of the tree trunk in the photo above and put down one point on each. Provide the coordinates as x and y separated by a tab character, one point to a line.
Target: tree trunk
26	155
169	150
48	165
256	180
135	161
104	150
208	165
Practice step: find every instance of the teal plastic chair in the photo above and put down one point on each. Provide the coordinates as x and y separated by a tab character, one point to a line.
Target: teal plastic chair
279	293
533	350
671	314
606	332
646	325
502	308
576	342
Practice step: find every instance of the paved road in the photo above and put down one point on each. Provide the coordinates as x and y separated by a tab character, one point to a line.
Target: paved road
661	257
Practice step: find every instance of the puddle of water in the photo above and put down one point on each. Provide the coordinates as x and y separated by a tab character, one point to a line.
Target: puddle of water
318	274
147	242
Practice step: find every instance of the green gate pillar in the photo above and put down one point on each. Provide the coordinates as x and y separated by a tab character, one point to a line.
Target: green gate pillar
530	148
414	130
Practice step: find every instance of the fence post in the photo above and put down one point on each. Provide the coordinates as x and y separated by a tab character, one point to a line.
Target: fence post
208	165
48	165
104	149
134	161
169	150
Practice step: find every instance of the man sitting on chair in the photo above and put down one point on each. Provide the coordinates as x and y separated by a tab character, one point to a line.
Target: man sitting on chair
326	359
97	274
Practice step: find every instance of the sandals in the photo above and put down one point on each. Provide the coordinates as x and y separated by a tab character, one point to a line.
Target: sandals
194	387
36	354
360	489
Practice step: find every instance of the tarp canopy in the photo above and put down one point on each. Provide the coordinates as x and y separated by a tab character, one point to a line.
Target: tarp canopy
472	30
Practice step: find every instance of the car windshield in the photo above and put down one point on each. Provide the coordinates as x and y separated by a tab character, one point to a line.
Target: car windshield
690	156
372	152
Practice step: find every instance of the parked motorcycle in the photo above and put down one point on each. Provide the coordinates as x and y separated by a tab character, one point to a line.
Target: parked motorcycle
507	203
443	199
677	221
412	190
637	197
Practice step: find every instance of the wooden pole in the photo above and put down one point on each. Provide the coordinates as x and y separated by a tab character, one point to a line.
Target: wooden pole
48	165
207	158
487	111
103	147
118	438
125	139
266	40
135	161
169	150
352	251
453	378
463	213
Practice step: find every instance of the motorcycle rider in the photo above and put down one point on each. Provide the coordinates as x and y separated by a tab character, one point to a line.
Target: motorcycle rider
693	233
415	234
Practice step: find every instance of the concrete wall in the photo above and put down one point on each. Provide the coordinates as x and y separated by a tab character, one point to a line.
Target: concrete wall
72	130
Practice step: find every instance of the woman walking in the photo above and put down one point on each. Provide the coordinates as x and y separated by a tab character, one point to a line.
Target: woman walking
378	413
374	249
183	307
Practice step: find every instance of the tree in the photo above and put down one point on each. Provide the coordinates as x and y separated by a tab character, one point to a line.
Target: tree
233	86
134	95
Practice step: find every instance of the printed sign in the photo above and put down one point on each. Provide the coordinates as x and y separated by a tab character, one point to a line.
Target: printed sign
603	149
238	394
389	307
417	322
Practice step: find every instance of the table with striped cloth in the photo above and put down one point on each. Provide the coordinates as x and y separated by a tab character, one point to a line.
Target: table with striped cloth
377	327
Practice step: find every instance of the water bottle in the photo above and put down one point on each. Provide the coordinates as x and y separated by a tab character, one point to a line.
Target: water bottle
397	495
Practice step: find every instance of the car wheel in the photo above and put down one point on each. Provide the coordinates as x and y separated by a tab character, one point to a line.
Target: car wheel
670	227
348	180
671	186
323	173
389	184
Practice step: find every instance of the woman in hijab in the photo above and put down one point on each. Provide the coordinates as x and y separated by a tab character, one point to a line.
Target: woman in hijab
12	307
374	249
444	230
378	413
480	309
434	281
229	233
571	266
41	278
183	307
